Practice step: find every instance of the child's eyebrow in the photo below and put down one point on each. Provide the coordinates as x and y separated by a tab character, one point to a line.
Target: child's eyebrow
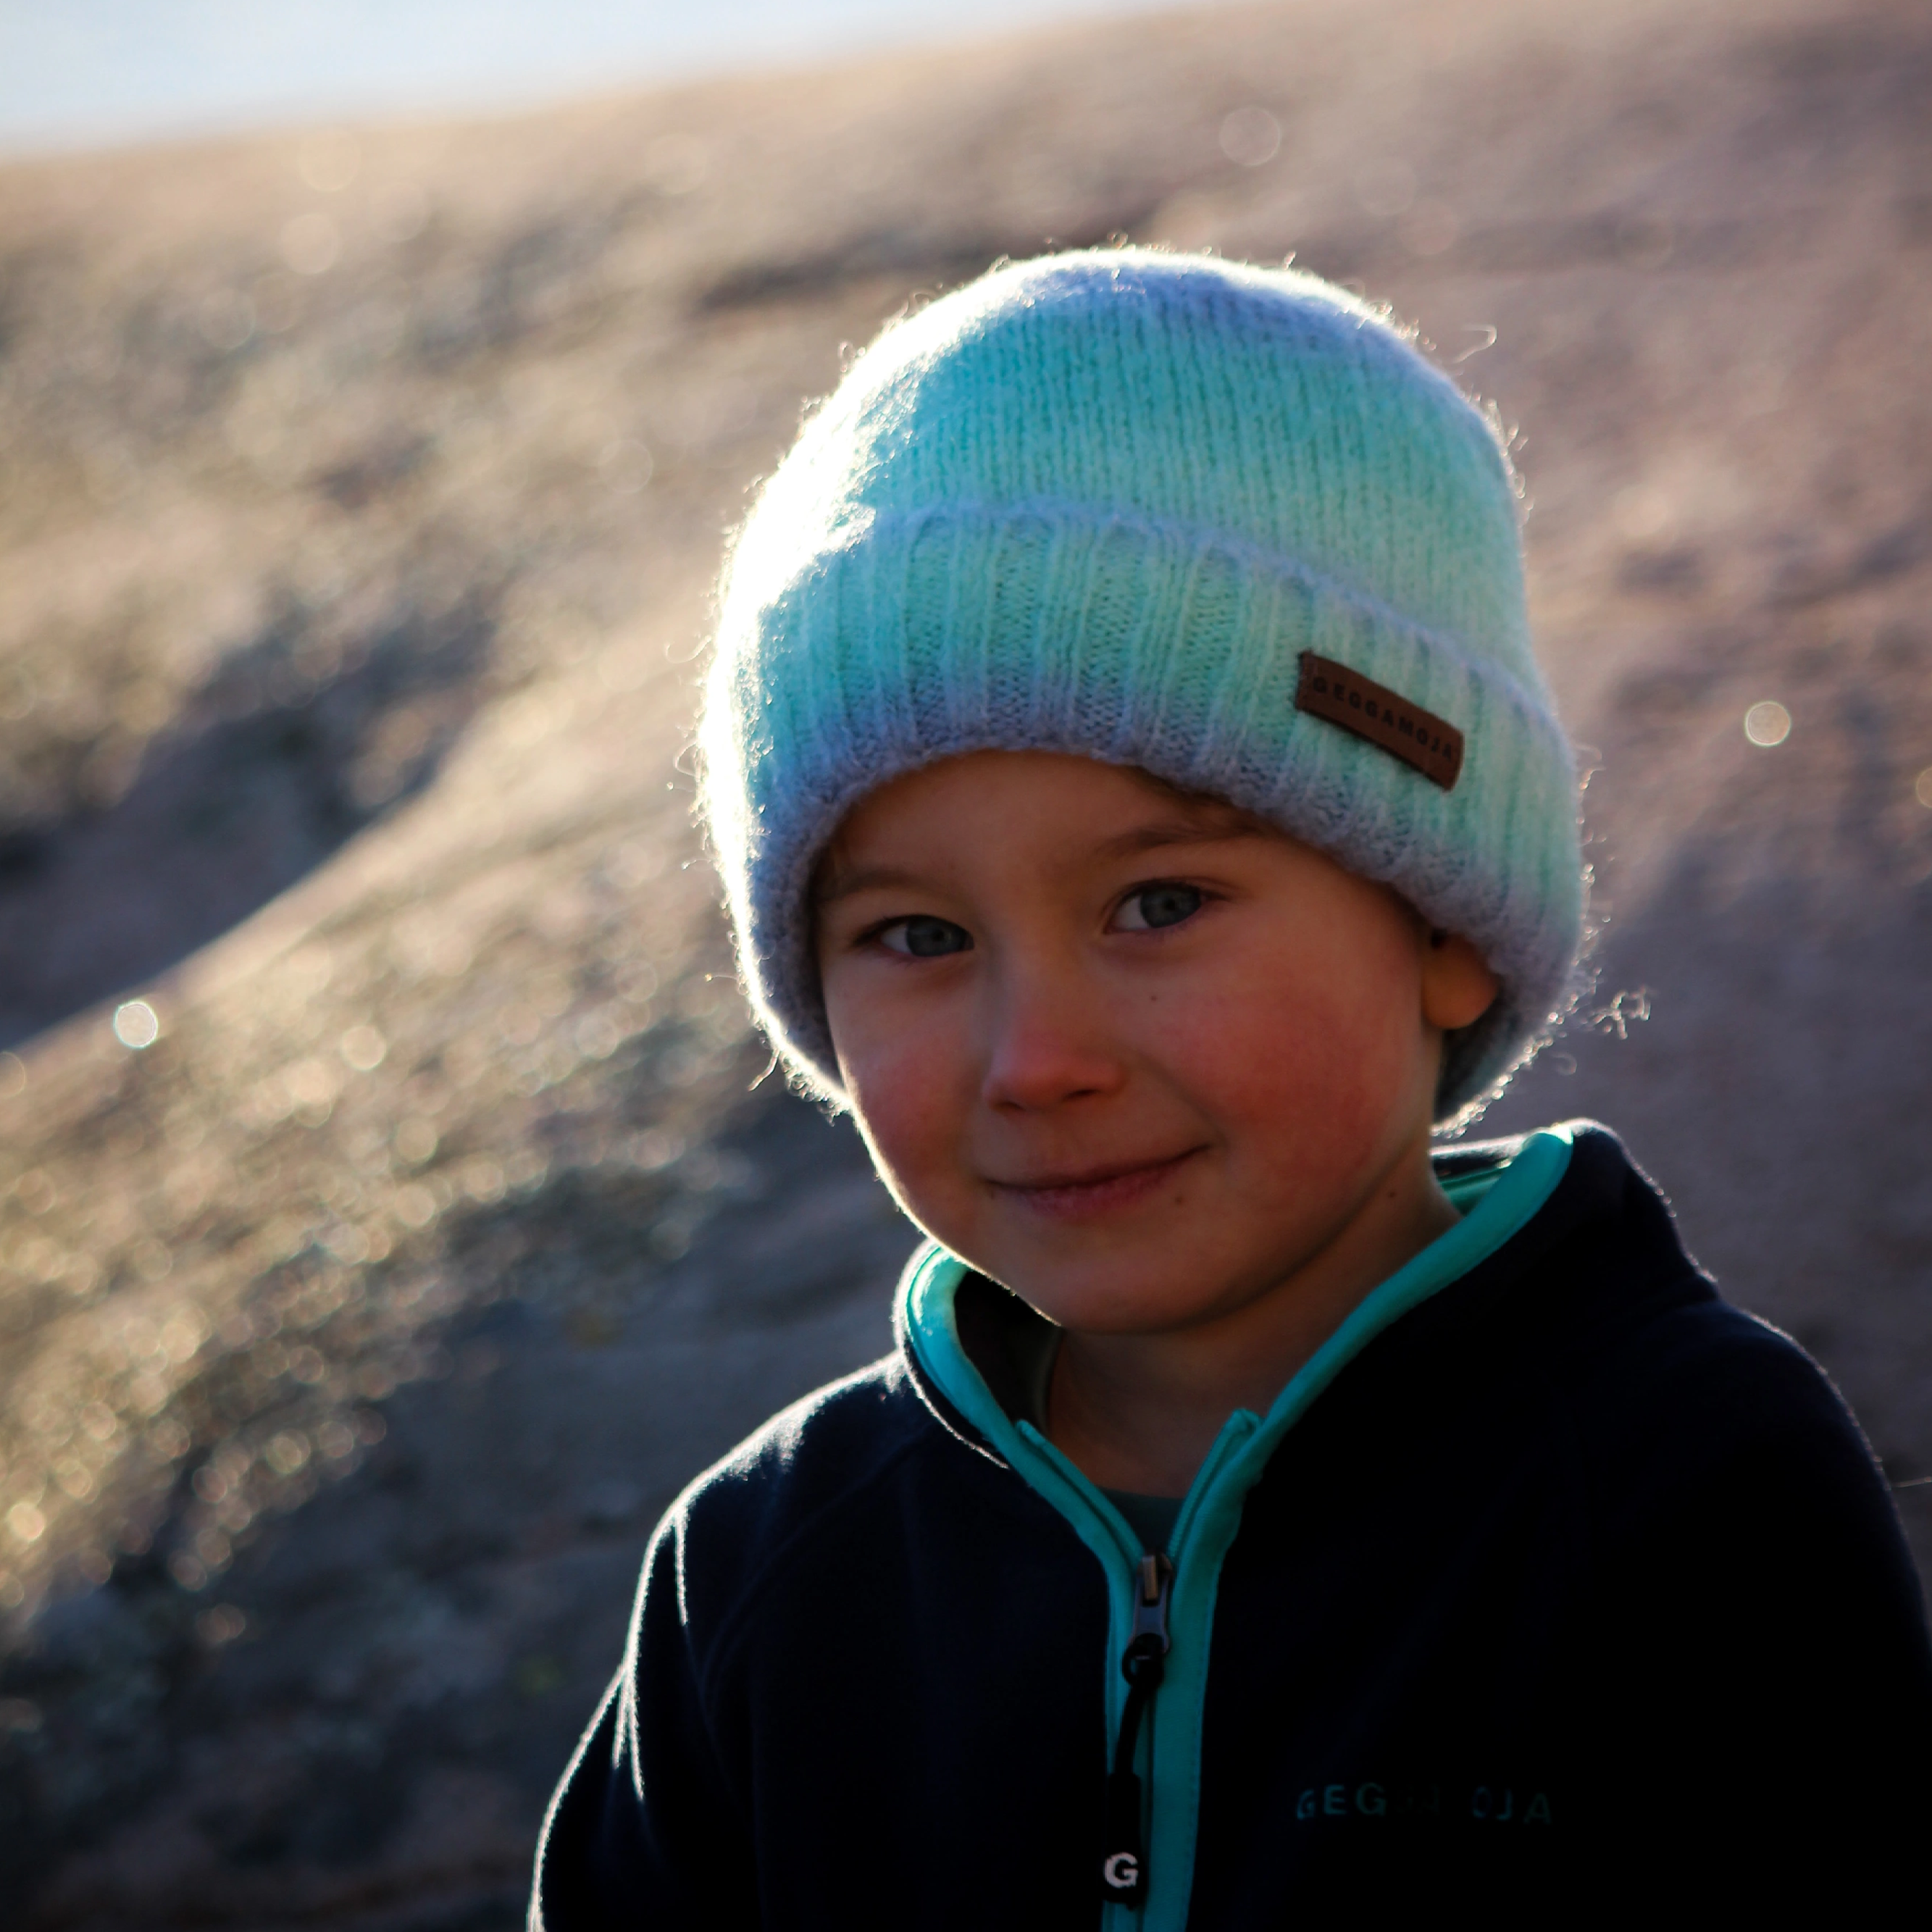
838	884
1204	831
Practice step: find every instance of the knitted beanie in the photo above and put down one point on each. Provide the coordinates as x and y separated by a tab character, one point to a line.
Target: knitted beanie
1220	522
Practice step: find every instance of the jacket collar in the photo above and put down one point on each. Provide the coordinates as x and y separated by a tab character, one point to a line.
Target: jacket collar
978	1352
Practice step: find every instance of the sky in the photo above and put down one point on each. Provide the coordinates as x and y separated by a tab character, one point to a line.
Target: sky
87	73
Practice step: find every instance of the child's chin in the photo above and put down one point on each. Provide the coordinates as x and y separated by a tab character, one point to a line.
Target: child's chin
1117	1300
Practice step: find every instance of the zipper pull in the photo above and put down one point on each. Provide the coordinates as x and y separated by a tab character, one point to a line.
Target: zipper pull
1155	1576
1122	1864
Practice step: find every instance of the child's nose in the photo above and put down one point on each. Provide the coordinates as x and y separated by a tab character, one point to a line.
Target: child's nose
1046	1042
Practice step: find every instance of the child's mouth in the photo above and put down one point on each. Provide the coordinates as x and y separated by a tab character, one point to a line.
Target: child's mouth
1100	1190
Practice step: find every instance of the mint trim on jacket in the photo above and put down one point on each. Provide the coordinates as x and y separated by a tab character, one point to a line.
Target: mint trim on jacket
1510	1196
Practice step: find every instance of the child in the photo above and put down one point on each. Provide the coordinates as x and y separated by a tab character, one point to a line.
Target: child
1139	804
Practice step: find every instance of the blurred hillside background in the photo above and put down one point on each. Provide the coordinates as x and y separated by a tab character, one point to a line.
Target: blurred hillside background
389	1221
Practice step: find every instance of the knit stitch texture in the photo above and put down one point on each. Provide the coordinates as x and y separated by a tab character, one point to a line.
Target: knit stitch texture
1099	503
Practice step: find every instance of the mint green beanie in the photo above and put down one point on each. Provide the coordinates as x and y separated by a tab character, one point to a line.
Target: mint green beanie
1221	522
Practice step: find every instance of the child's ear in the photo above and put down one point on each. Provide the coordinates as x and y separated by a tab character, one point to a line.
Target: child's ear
1458	987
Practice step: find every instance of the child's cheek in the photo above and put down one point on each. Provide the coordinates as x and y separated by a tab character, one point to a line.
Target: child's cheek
1304	1071
907	1091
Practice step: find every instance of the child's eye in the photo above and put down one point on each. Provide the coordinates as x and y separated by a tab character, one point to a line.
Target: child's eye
924	937
1149	907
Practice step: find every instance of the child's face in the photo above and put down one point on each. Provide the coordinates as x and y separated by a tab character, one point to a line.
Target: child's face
1129	1054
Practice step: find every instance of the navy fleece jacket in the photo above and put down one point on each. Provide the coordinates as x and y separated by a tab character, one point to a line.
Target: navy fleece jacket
1556	1588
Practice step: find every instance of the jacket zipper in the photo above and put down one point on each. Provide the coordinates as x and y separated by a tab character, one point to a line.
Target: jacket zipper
1209	1517
1123	1863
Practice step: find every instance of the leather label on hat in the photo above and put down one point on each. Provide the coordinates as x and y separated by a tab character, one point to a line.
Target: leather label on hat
1385	718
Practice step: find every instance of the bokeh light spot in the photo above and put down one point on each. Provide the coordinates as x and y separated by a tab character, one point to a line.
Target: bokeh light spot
415	1206
1922	791
329	159
364	1048
1250	136
626	466
1768	723
135	1025
226	320
222	1624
